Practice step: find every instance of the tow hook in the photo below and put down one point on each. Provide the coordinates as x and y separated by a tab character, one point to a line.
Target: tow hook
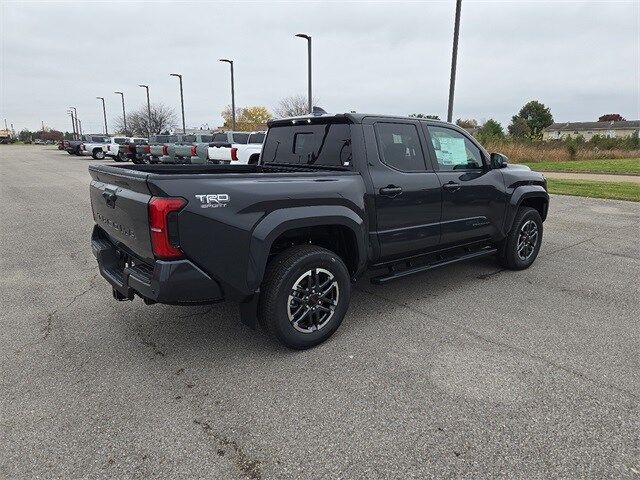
120	297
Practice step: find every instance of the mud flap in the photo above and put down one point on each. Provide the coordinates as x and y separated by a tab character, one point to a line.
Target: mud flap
249	311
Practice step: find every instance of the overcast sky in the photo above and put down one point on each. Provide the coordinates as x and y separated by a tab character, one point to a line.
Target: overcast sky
582	59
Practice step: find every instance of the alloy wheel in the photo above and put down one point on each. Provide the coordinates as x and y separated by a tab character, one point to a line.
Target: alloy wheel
313	300
527	240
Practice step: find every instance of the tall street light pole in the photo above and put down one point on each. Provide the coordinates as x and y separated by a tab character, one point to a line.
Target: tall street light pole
104	112
454	60
148	108
73	123
124	114
233	94
75	117
308	38
184	127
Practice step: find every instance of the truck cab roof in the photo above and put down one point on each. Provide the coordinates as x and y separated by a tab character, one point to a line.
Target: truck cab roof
345	118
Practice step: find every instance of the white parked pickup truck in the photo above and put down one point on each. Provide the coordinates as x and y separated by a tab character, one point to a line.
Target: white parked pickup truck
236	147
113	147
94	145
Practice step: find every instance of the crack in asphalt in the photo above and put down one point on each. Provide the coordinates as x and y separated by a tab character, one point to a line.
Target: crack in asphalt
145	339
48	326
567	247
249	467
491	341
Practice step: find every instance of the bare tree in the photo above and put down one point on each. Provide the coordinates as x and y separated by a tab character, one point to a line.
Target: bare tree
163	118
293	106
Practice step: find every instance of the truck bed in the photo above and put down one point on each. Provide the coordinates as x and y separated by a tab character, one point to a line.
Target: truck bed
169	169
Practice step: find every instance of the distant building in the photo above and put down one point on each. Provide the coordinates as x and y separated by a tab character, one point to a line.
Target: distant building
620	129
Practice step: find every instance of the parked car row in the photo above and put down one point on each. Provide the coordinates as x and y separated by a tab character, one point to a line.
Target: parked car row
220	148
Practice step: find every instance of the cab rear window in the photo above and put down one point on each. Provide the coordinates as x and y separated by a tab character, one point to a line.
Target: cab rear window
320	144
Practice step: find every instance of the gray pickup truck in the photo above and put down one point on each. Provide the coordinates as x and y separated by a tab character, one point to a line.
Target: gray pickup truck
189	149
332	197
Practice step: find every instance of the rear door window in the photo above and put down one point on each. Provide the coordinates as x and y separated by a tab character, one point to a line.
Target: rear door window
320	144
399	146
256	138
220	137
240	138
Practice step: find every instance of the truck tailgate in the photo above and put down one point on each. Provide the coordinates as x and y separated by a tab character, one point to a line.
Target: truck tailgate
119	201
220	152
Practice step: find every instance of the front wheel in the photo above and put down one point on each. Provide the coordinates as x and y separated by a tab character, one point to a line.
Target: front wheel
98	154
521	247
119	157
304	296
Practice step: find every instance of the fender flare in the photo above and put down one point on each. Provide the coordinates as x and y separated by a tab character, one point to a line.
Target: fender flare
278	222
521	193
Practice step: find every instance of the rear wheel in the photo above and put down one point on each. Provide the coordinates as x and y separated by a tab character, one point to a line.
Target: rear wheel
98	154
519	250
119	157
304	296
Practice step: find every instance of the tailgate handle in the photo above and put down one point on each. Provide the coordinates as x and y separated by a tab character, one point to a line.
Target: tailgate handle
110	197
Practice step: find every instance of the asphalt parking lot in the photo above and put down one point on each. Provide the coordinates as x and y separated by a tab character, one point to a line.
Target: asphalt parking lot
465	372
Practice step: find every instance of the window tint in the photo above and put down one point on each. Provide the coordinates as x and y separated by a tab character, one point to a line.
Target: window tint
220	137
256	138
121	140
453	150
206	138
139	141
240	138
400	146
188	138
320	144
164	139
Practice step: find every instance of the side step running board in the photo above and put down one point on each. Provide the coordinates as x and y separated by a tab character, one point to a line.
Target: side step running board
382	279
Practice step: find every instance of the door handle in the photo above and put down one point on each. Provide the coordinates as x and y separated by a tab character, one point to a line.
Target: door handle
451	186
391	191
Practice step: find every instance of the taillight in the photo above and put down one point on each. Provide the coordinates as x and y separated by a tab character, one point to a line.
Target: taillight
234	153
194	151
163	226
165	150
146	149
83	147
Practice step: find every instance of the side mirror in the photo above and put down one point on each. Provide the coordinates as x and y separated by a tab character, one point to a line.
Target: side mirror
498	160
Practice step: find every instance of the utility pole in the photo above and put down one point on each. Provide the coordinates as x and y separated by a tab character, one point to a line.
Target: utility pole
184	128
308	38
233	94
454	60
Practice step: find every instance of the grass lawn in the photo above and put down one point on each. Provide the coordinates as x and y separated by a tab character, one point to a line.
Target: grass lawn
583	188
620	166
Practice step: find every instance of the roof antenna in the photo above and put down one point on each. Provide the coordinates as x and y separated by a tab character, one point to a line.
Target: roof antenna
317	111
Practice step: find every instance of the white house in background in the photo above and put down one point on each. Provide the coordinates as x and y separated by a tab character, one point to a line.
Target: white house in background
613	129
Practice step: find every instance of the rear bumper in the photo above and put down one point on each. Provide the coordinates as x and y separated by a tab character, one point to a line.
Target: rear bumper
176	282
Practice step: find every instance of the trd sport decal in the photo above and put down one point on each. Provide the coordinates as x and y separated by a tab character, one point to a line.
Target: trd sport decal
213	200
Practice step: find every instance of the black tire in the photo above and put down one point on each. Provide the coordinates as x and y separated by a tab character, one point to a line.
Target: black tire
276	302
98	154
119	157
70	153
519	250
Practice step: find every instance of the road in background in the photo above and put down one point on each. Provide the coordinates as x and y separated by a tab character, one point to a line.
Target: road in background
469	371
